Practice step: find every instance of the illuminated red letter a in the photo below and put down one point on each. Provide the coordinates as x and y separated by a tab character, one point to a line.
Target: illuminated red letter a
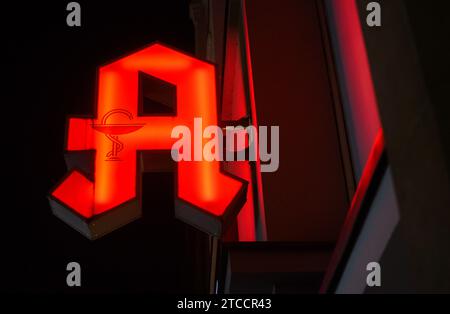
107	196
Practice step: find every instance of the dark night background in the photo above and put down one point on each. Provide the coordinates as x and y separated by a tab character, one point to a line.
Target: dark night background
51	73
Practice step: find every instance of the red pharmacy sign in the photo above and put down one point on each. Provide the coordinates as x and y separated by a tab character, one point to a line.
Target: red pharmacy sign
121	136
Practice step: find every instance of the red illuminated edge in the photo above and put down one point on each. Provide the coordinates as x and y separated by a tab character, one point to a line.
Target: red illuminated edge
372	175
260	214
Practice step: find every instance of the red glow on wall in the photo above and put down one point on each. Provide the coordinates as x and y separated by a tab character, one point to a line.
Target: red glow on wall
118	132
357	84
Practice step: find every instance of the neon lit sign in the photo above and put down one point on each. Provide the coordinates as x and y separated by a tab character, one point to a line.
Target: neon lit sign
121	135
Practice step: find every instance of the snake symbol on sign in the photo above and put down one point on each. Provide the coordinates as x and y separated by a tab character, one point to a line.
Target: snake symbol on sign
113	130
